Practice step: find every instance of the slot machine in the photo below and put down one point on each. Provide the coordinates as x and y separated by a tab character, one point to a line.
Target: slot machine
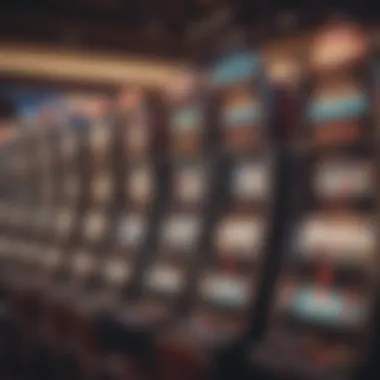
12	200
17	251
24	215
321	316
226	287
15	200
10	195
42	197
12	233
140	181
84	219
61	156
41	200
183	228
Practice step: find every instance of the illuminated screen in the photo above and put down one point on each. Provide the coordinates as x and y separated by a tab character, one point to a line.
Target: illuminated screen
241	118
140	184
187	129
241	236
165	278
117	271
132	230
187	119
336	112
328	306
236	68
190	183
339	238
337	178
95	225
100	137
241	110
225	290
250	180
182	231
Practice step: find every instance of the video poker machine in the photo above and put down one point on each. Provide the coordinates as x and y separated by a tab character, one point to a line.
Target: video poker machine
230	274
322	315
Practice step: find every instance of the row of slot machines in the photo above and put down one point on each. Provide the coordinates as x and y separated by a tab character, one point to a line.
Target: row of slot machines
184	220
323	315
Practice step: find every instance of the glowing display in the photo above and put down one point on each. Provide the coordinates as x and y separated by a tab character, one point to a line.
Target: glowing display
250	180
342	178
351	238
243	115
182	231
100	137
352	107
190	183
236	68
95	225
187	119
117	271
328	306
165	278
131	231
226	290
141	185
338	45
240	234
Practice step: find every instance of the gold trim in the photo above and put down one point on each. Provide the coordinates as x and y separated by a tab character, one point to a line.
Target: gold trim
83	66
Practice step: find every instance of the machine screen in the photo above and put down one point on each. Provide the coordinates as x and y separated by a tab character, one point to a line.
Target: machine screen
165	278
182	231
95	225
132	230
117	271
349	239
190	183
140	185
226	290
240	236
250	181
342	178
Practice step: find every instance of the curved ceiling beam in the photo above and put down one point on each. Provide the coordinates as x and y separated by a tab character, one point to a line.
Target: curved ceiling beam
25	61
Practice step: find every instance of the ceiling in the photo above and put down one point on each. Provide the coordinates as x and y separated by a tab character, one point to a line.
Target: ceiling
156	27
